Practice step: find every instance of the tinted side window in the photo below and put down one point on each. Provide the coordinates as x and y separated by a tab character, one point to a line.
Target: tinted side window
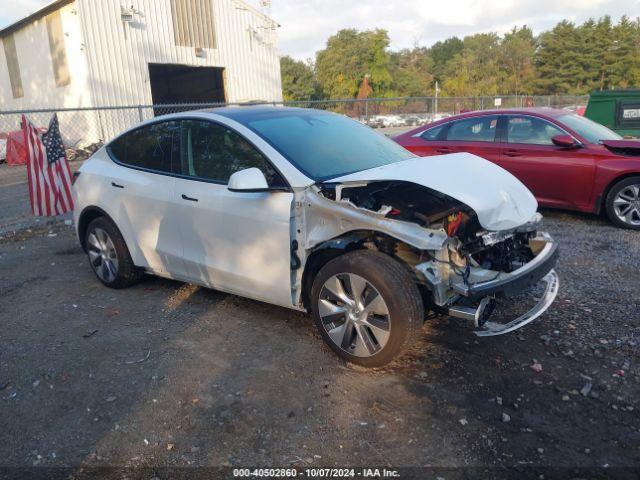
531	130
432	134
214	152
476	129
151	147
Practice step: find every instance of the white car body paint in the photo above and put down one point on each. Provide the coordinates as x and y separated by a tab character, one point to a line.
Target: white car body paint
499	199
241	242
237	242
141	208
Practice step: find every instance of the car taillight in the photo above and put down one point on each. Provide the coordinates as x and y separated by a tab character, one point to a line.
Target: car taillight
75	177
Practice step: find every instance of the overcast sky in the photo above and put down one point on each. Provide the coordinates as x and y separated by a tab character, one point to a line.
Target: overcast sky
306	24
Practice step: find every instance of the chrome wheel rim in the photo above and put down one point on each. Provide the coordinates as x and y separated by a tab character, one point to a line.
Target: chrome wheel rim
354	315
627	205
102	255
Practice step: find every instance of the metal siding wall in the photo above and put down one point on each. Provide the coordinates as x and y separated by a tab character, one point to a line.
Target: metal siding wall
13	66
57	49
39	83
119	54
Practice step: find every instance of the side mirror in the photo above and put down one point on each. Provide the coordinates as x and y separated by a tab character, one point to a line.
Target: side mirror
248	180
565	141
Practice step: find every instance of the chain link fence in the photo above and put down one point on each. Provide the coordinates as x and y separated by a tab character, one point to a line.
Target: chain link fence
85	129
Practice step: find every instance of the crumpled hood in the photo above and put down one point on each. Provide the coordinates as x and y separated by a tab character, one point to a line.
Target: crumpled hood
499	199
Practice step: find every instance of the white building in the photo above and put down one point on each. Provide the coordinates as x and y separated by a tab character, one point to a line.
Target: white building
97	53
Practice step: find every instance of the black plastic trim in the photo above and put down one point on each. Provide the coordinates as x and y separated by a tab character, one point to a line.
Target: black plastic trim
516	282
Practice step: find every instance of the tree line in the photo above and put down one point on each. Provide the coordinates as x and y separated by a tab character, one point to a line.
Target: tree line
568	59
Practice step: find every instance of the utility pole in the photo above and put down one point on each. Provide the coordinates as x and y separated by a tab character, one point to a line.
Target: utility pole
435	107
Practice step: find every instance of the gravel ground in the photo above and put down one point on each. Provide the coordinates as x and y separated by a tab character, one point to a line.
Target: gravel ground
168	374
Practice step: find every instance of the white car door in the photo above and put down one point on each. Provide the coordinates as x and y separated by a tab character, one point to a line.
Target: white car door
238	242
144	209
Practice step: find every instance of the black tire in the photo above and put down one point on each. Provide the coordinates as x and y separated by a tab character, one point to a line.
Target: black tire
610	206
401	297
126	273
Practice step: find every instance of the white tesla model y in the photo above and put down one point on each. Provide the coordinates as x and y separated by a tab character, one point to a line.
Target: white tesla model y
313	211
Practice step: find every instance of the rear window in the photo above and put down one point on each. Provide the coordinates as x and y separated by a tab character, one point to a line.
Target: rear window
475	129
432	134
152	147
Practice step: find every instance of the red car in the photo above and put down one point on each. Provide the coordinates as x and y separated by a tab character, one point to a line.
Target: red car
566	160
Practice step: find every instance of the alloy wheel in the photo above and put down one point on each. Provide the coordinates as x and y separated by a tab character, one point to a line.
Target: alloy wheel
354	315
102	255
626	205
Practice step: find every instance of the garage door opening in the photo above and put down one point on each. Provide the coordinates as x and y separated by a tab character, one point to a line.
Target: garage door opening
172	84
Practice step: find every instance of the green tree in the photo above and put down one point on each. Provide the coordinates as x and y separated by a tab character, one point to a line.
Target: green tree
298	81
595	53
517	50
475	70
348	57
624	70
559	69
411	73
567	59
441	53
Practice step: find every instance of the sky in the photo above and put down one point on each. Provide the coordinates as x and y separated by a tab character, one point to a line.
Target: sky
306	24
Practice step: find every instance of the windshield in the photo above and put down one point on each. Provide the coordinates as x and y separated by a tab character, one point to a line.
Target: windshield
325	145
591	131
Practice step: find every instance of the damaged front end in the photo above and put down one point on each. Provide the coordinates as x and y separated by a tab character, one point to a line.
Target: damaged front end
460	266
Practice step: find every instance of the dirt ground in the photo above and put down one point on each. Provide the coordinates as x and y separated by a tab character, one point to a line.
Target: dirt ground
166	374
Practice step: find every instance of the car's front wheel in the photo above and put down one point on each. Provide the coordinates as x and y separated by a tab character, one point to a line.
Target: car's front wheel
623	203
366	307
109	256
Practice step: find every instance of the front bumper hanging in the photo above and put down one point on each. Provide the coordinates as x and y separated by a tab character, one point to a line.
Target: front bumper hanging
516	281
540	269
490	329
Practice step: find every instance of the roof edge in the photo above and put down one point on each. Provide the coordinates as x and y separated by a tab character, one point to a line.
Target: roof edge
255	11
58	4
37	15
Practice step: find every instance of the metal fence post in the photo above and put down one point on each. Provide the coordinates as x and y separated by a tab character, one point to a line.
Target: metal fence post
140	113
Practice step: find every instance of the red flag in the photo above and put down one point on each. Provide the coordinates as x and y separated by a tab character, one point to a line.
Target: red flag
47	169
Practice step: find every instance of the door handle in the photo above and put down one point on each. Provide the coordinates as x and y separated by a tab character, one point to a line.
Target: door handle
114	184
190	199
445	150
512	153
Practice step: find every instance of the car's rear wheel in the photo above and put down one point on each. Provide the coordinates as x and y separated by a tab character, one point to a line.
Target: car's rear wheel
366	307
109	256
623	203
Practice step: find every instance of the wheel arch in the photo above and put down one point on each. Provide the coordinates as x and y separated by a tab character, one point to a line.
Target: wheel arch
602	199
88	215
348	242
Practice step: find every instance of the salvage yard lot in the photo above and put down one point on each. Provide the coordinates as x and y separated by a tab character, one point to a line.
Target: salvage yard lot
166	374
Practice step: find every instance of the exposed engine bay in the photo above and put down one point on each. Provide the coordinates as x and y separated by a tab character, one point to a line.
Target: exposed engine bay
476	247
461	267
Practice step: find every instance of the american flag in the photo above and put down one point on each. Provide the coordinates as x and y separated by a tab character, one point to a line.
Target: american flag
47	169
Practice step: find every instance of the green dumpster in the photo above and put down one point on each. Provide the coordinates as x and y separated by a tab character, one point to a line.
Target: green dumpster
617	109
